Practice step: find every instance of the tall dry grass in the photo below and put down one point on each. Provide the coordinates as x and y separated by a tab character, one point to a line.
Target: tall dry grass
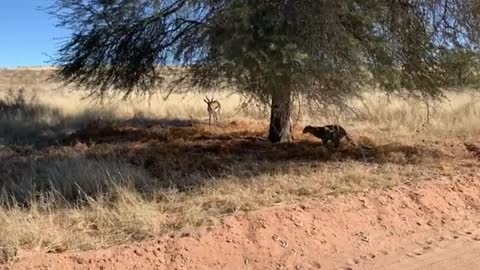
58	197
125	214
458	115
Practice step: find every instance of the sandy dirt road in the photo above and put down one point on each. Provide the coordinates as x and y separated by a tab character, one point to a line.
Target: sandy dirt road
462	253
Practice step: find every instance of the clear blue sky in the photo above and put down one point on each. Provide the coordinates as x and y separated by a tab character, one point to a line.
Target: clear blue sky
28	35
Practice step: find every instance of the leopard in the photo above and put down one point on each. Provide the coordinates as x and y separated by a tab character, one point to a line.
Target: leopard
333	133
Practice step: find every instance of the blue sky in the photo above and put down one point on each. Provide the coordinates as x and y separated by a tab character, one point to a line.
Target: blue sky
28	35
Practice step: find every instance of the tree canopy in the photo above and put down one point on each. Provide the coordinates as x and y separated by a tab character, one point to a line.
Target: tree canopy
462	68
323	50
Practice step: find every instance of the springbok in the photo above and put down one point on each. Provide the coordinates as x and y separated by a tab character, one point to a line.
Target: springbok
213	107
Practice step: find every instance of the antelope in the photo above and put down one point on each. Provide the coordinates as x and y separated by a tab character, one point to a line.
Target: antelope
213	107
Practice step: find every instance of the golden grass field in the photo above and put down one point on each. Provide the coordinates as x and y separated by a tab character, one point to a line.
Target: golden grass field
149	168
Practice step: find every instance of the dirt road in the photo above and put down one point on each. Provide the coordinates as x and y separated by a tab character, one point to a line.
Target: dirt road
456	254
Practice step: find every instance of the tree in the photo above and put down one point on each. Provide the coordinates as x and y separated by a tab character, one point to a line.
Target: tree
462	67
274	50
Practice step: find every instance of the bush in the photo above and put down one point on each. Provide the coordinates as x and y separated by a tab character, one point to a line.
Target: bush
24	120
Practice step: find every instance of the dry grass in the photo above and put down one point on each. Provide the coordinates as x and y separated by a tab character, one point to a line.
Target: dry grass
70	182
126	214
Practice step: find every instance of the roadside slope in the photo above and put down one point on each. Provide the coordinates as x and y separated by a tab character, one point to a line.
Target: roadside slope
359	231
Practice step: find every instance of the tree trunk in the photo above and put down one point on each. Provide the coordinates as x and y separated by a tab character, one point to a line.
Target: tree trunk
280	126
280	129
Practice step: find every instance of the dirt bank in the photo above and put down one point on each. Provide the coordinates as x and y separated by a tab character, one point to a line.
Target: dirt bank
406	227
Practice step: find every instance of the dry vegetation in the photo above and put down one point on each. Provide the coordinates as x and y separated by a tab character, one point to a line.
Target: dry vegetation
78	176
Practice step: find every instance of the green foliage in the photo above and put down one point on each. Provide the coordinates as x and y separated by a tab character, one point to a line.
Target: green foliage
462	68
321	50
327	50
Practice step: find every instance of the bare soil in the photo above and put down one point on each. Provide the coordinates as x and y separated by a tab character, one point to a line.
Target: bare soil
434	224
